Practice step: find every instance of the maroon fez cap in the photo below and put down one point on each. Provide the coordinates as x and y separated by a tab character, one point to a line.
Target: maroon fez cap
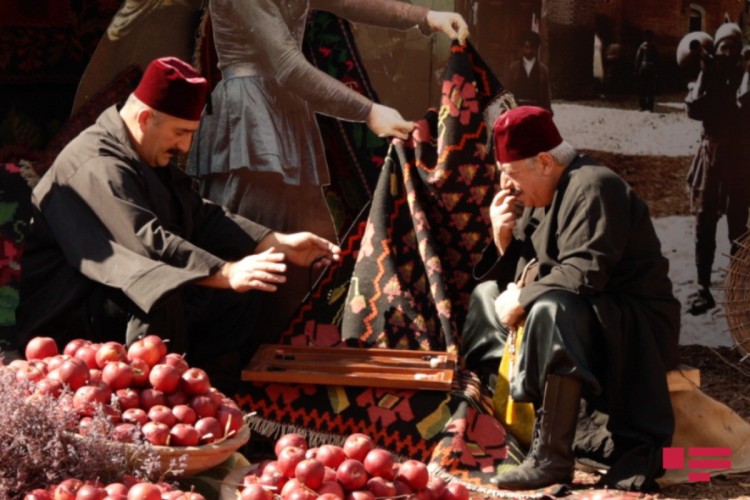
172	86
524	132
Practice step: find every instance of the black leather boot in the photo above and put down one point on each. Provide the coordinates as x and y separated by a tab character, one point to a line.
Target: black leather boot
550	459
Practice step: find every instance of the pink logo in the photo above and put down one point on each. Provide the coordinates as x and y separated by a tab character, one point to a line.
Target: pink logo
698	458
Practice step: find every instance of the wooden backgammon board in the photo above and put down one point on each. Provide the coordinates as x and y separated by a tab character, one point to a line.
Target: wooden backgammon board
367	367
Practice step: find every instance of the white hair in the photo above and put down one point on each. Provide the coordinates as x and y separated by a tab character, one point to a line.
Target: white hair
564	154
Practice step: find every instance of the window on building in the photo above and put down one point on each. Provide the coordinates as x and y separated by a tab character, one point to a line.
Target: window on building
697	14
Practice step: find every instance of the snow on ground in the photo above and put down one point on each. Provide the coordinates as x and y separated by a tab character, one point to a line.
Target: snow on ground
669	134
627	131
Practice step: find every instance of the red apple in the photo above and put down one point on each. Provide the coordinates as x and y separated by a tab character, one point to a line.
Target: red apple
177	398
38	494
274	482
351	474
117	374
271	467
379	462
414	473
291	439
110	351
402	488
152	397
358	445
72	346
301	493
203	405
209	429
141	371
88	398
291	485
162	414
73	372
164	378
331	488
195	381
155	433
360	495
176	360
184	435
135	416
436	485
158	342
95	376
127	399
148	353
87	353
329	496
230	420
125	433
144	491
310	472
184	414
455	491
288	459
29	373
70	485
40	348
331	455
90	492
381	487
113	489
255	492
50	387
55	361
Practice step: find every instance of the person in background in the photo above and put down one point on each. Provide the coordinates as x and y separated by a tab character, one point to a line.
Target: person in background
646	61
717	180
581	270
528	78
121	244
258	151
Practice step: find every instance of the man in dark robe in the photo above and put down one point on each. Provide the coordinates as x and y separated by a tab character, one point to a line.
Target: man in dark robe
646	60
527	78
718	179
596	305
121	245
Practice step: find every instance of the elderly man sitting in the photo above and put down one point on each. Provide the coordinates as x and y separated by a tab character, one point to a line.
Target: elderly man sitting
600	320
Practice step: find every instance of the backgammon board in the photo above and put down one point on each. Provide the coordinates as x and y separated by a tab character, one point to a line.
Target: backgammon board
367	367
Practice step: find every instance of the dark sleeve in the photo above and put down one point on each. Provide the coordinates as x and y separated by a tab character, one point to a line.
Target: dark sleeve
106	230
701	99
225	234
593	229
492	266
282	57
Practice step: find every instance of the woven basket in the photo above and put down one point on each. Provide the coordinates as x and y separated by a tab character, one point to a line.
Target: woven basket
199	458
737	295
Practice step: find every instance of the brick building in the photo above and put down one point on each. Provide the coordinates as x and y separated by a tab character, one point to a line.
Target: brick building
623	22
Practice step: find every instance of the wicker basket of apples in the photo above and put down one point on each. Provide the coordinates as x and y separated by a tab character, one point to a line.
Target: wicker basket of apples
146	394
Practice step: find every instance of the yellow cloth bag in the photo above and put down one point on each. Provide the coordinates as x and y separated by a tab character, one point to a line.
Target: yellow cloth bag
517	418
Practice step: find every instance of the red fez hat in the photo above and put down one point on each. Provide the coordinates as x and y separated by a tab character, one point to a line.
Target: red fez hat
172	86
524	132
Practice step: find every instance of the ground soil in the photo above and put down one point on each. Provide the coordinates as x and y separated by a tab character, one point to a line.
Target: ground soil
660	180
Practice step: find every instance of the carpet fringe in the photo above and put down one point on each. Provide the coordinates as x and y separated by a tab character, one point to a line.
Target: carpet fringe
274	430
438	471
